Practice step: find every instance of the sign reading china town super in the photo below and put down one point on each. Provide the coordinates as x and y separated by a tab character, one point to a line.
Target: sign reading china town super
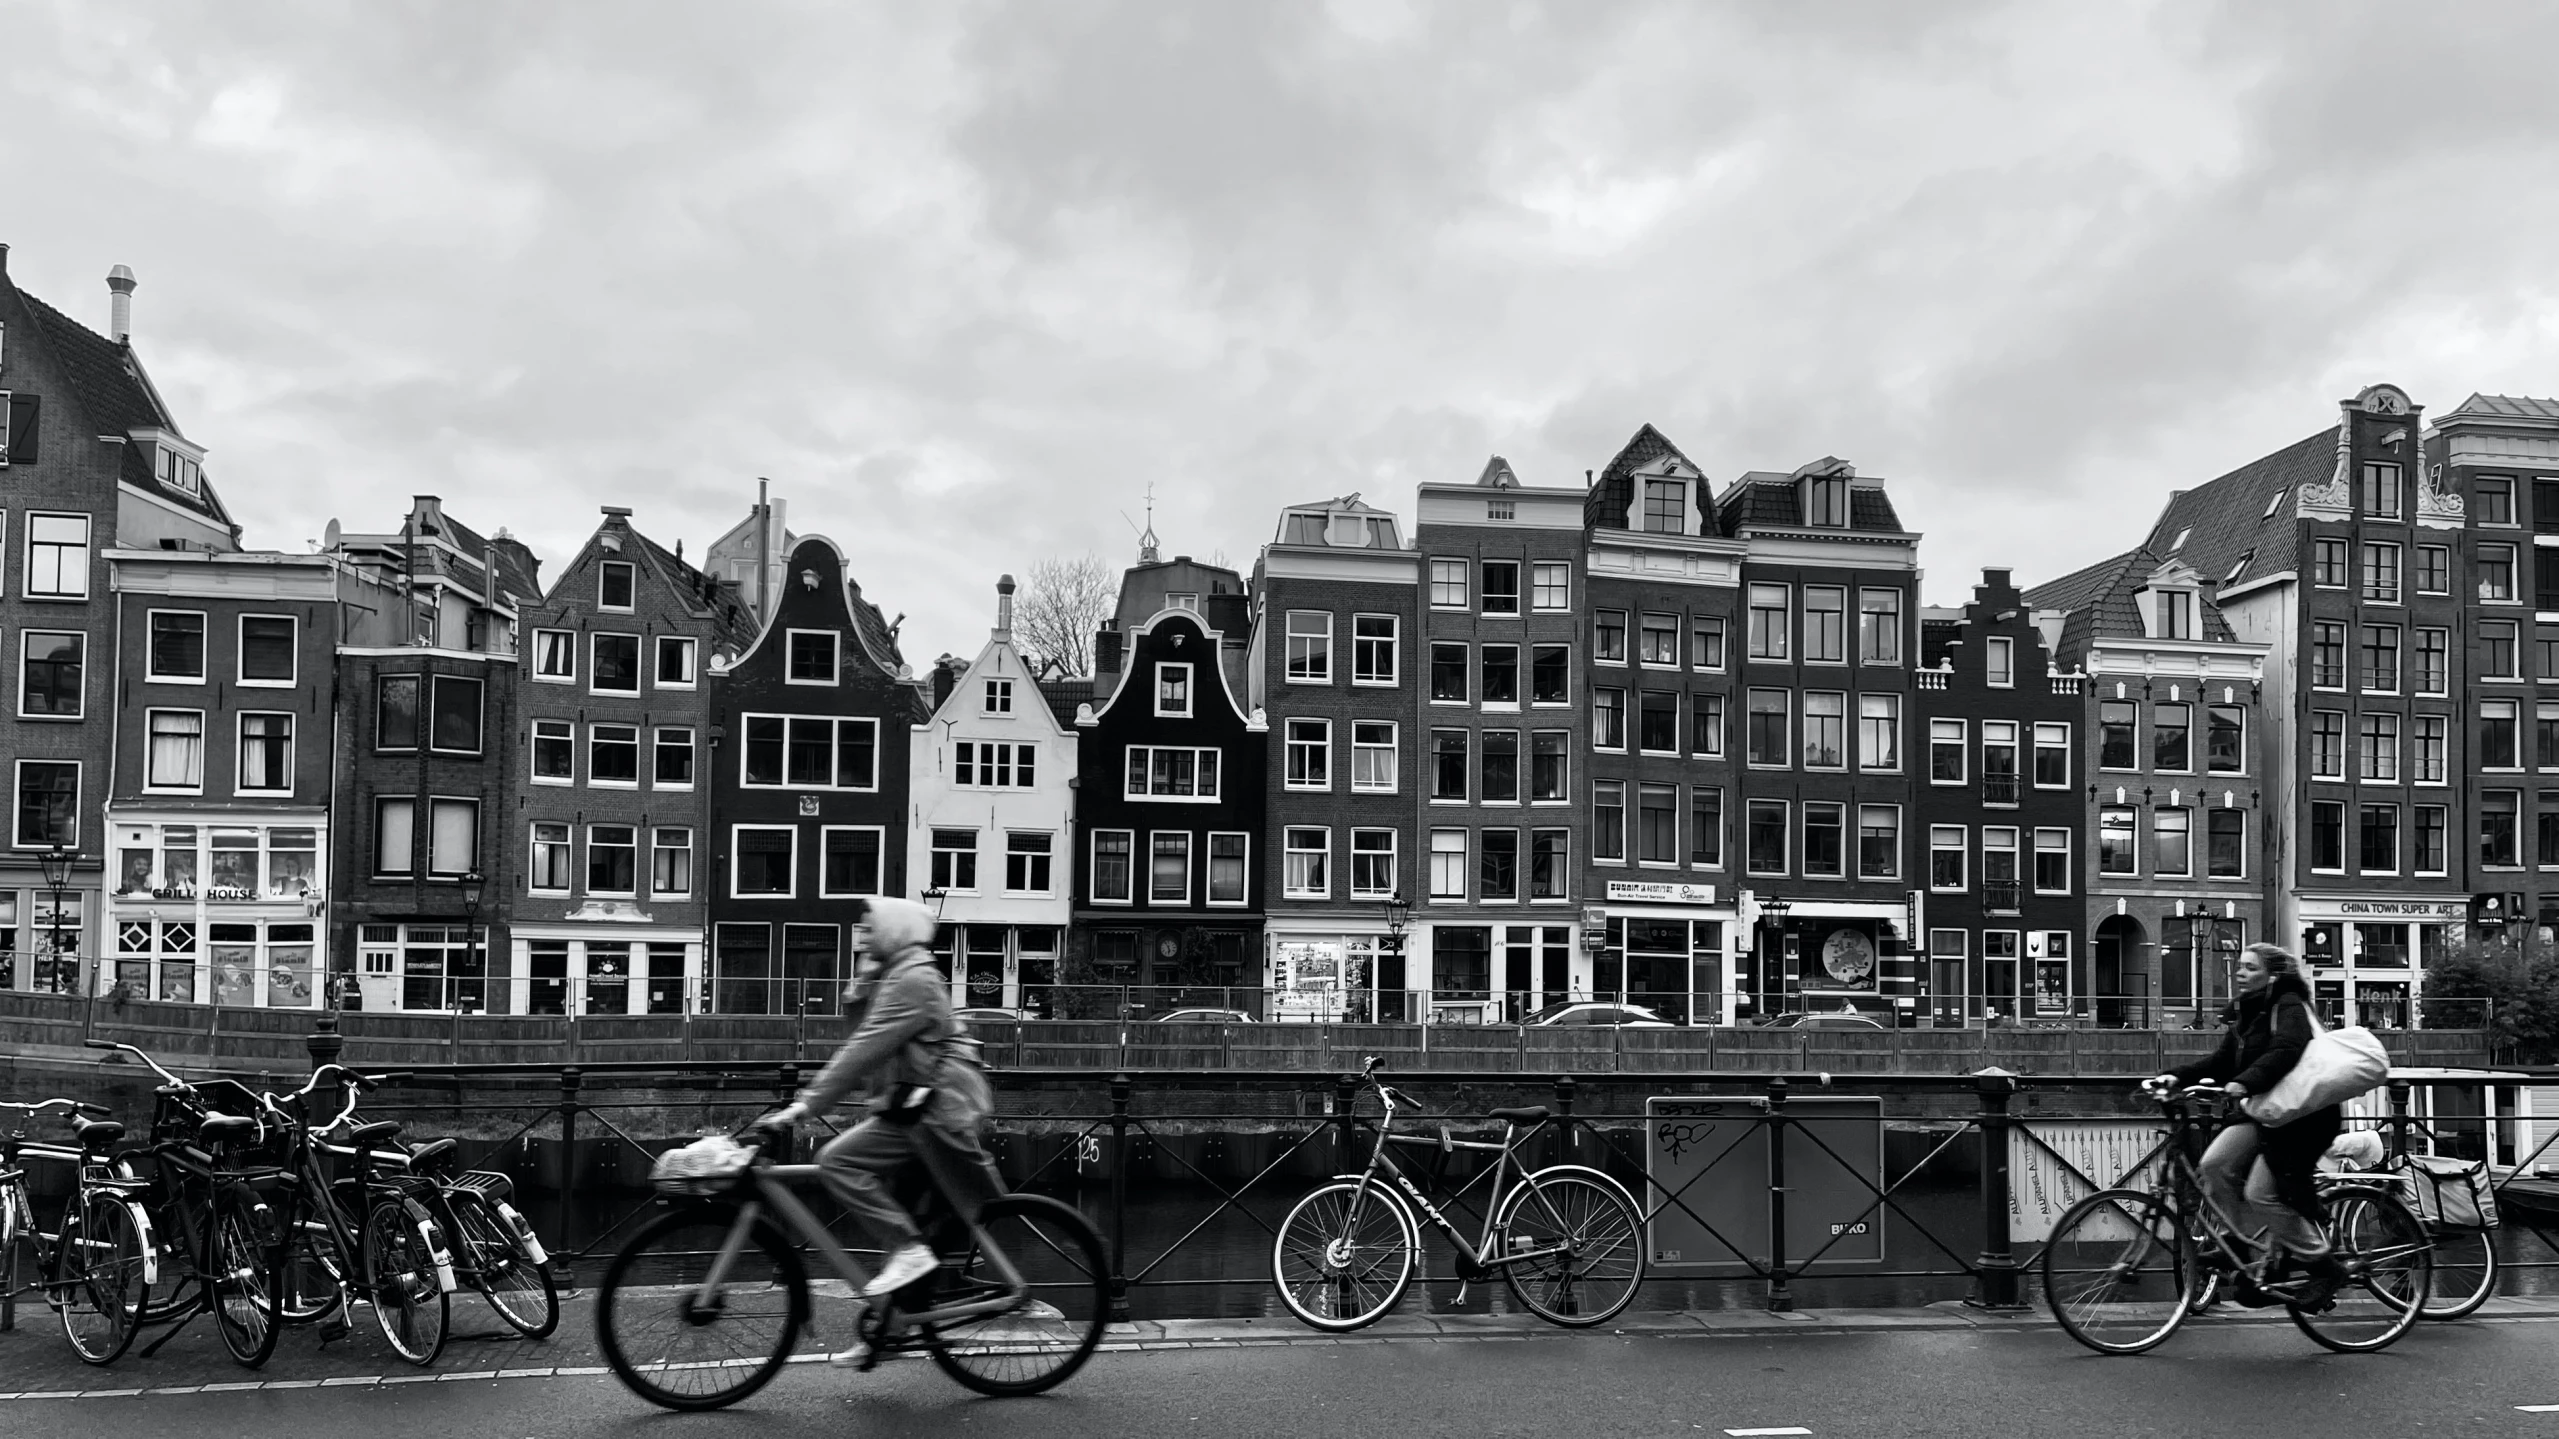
1661	892
2454	910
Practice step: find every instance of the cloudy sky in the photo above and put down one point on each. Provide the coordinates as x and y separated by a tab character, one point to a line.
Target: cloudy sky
964	280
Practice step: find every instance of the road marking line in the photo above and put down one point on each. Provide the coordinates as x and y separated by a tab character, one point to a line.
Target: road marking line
1737	1433
2539	1408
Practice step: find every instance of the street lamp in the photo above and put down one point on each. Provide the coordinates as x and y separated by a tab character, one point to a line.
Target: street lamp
56	866
1772	914
472	882
1397	911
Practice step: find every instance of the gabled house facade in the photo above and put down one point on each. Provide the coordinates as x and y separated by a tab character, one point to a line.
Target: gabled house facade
808	765
991	837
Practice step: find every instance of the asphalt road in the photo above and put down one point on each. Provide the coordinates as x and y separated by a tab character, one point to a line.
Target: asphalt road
1896	1378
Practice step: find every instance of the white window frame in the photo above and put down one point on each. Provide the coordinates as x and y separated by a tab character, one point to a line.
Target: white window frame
378	866
1190	690
2033	881
1540	586
1205	867
2043	728
995	697
1357	891
1190	866
685	645
27	635
1460	856
737	833
1865	761
240	659
87	548
150	783
1150	750
1362	645
1392	749
604	572
638	770
567	730
835	661
1046	858
428	685
1317	637
547	643
1847	625
1962	731
150	661
658	833
834	752
1092	859
240	748
1857	840
934	849
879	833
1293	853
1319	748
1442	573
658	743
638	880
1963	850
639	680
534	846
1518	595
1999	661
436	804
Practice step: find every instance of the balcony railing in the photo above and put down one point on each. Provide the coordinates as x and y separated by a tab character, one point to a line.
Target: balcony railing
1999	789
2000	896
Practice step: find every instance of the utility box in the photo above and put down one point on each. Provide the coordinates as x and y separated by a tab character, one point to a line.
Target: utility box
1709	1158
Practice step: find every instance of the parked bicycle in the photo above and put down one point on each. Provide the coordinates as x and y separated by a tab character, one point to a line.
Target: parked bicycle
2125	1267
705	1304
1567	1239
97	1269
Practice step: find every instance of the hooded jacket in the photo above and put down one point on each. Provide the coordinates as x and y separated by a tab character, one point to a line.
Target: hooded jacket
2263	1041
904	1032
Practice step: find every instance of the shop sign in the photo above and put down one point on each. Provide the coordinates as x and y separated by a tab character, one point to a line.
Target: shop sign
2425	908
1641	891
1307	981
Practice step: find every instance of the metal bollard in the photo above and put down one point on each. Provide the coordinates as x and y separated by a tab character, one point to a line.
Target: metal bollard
1119	1198
1564	1090
1998	1286
2400	1090
572	1080
1345	1091
1780	1298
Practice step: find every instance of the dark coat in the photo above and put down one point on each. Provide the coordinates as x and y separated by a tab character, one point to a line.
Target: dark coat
2266	1034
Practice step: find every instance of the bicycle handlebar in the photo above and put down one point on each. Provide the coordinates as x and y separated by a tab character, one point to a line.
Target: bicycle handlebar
137	1053
76	1106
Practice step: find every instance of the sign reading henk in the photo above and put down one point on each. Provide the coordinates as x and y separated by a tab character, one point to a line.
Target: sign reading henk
1661	892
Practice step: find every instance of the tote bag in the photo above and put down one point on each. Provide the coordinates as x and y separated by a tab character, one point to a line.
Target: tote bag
2338	1065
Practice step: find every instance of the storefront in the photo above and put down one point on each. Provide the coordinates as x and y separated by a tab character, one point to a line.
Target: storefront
1001	966
1496	973
2366	957
1826	954
587	969
41	944
1320	976
218	913
1667	946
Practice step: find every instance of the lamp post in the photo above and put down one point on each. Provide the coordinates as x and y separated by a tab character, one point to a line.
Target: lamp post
1772	914
472	881
56	866
1398	911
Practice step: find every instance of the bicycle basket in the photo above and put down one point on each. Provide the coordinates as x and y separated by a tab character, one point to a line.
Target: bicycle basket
2454	1193
706	1166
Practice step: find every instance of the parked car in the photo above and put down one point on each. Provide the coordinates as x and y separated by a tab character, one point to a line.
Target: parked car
1833	1020
1595	1014
1204	1016
978	1013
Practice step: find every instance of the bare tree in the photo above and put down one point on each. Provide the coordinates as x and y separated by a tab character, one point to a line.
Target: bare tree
1062	602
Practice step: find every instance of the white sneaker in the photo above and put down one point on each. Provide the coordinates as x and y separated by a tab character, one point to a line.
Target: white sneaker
900	1269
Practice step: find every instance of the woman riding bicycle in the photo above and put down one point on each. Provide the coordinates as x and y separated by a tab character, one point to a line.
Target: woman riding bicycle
926	1095
2272	1167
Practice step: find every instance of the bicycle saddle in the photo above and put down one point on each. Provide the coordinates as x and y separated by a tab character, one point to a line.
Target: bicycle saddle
431	1153
96	1133
214	1128
369	1135
1532	1114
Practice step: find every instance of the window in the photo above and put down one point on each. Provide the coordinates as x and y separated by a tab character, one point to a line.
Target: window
1825	625
1448	671
2545	578
1825	730
1999	867
810	752
1026	863
1608	820
2379	741
1608	636
1372	863
2497	657
1658	639
1706	725
266	752
2432	673
2496	572
1548	769
1448	584
849	860
1608	718
2545	735
2116	852
613	754
2431	846
394	837
2118	723
2000	663
2380	491
2494	500
2225	848
1768	608
2169	737
1182	600
2238	566
671	861
1500	767
954	859
2052	861
2498	811
1448	864
764	859
2328	655
1657	823
2381	659
1175	772
1706	827
1666	507
1373	753
1448	764
1826	502
614	584
549	871
50	672
1549	874
616	667
177	645
555	655
2327	744
2328	563
812	657
1310	647
1501	587
1878	841
2172	842
395	717
57	557
1946	751
1501	676
1765	727
676	660
2175	614
2433	739
554	752
2328	836
2052	756
2434	570
1550	675
454	726
1374	650
1879	627
1706	642
1309	754
2497	737
266	650
1764	836
2381	573
1824	840
1999	762
1497	865
672	767
1550	585
1946	852
612	859
2377	839
176	756
1657	723
1111	872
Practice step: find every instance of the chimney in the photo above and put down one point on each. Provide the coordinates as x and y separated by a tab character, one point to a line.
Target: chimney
120	283
1106	651
1004	609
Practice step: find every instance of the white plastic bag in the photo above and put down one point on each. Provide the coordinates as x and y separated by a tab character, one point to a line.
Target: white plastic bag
2338	1065
705	1166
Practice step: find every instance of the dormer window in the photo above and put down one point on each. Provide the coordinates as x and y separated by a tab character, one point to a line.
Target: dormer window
1826	502
1665	507
180	473
1182	600
2179	543
2238	565
2175	614
174	462
1346	531
1304	529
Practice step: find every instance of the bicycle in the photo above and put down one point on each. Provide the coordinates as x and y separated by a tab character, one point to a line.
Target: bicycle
97	1270
704	1305
1566	1239
2466	1266
2125	1267
360	1237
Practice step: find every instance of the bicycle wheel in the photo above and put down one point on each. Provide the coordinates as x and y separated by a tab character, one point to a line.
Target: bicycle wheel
1048	1336
2117	1275
2389	1263
242	1289
2465	1272
680	1350
1587	1218
98	1276
492	1261
399	1277
315	1268
1339	1275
